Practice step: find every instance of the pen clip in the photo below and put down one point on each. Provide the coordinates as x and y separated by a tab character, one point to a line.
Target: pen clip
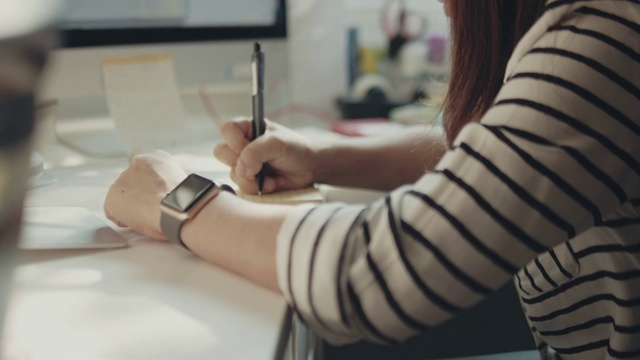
257	69
254	75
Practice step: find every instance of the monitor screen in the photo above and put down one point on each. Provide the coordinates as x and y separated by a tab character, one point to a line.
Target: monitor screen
125	22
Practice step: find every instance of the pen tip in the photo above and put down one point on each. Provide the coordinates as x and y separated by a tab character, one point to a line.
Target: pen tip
259	193
256	47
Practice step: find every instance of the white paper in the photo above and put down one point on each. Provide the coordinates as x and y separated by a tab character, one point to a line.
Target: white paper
144	103
45	228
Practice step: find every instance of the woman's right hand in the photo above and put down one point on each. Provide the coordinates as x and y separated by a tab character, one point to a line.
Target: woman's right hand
289	156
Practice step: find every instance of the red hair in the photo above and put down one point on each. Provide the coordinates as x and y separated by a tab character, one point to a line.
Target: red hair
484	34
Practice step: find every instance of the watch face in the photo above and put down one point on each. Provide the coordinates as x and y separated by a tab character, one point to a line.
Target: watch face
185	195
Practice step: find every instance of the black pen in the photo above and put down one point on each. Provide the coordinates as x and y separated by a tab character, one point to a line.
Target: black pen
257	75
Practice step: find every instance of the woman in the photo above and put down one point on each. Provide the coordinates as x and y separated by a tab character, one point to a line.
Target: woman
541	186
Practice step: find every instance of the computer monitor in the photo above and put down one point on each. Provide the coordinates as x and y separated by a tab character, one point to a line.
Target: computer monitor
125	22
209	41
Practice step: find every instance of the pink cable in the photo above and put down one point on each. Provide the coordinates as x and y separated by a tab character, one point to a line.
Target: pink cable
208	106
276	114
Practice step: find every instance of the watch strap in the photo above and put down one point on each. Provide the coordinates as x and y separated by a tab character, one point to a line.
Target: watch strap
172	225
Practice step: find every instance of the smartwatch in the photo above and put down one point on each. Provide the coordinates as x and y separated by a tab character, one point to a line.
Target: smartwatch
184	202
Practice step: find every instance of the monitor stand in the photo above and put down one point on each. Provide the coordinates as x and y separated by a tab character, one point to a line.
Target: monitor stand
84	124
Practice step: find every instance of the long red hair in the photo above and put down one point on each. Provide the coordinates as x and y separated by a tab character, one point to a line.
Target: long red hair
484	34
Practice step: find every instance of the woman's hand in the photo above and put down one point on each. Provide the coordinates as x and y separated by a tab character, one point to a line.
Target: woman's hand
134	198
289	156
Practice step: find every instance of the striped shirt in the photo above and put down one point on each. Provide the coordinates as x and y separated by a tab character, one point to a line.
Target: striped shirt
544	190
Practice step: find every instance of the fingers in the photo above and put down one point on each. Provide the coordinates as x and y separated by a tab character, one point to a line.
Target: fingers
223	153
237	145
236	134
250	186
246	157
260	151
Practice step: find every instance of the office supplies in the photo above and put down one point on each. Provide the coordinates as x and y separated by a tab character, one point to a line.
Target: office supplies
53	228
257	75
399	33
374	105
353	55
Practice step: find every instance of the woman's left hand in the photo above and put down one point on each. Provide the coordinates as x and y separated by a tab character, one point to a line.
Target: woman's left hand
134	198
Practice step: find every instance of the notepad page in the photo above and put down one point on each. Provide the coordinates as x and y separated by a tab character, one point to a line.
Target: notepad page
298	196
144	102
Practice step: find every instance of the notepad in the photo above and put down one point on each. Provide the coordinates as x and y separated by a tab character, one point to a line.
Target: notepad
298	196
144	103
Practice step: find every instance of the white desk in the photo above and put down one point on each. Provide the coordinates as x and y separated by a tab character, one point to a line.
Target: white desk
151	300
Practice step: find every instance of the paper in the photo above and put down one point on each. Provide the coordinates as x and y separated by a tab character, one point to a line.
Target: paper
298	196
46	228
143	101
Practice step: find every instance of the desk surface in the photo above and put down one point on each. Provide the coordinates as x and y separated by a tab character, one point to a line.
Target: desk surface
150	300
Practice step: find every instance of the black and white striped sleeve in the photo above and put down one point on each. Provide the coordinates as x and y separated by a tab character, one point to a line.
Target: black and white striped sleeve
558	152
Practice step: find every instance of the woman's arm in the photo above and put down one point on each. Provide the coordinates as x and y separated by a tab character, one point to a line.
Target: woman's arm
542	167
382	162
245	232
245	237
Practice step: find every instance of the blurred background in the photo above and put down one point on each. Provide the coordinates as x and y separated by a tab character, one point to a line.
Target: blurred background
26	37
353	67
326	60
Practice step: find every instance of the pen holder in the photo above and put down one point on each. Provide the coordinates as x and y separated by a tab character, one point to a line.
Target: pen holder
374	105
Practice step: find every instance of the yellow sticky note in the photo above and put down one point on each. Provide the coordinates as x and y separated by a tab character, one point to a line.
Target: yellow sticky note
298	196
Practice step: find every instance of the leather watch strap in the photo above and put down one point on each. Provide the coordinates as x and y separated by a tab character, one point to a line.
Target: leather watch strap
171	227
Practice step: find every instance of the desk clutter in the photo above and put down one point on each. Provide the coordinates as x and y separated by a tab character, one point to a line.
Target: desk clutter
404	68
